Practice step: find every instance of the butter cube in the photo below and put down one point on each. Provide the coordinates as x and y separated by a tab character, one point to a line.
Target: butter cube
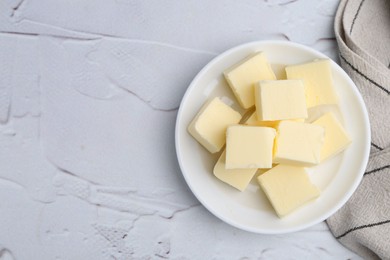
249	147
242	77
317	79
336	138
287	188
209	125
238	178
280	100
298	143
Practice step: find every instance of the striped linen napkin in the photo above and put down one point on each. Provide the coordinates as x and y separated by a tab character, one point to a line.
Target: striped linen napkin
362	30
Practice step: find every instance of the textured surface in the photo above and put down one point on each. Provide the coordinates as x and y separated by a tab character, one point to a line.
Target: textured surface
89	92
363	223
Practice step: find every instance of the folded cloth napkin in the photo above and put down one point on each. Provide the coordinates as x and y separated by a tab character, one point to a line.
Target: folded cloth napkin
362	29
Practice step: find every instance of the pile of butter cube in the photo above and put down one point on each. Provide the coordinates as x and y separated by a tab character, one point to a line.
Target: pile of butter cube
276	137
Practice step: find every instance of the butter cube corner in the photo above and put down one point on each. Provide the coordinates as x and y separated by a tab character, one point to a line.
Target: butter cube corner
287	188
298	143
237	178
210	124
242	76
249	147
252	120
336	138
317	79
280	100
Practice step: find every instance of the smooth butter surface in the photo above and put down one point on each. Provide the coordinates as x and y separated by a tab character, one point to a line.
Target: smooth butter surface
317	79
209	125
252	120
238	178
243	76
298	143
287	188
336	138
280	100
249	147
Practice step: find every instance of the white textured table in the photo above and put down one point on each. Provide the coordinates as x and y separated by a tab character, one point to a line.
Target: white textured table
89	92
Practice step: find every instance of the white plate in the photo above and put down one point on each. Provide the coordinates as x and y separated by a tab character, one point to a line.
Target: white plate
337	178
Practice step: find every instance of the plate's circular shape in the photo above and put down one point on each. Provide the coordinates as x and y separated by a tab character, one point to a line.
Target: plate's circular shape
337	178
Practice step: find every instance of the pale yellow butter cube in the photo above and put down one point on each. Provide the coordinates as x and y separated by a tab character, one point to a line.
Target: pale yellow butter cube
298	143
249	147
209	125
242	77
336	138
317	79
287	188
280	100
238	178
